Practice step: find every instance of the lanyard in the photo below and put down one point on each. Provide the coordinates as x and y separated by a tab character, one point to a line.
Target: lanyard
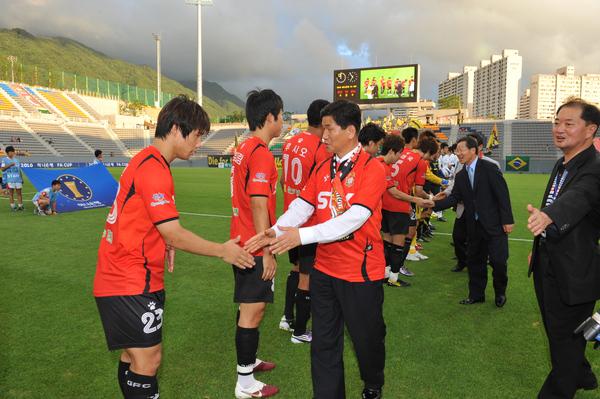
338	202
557	184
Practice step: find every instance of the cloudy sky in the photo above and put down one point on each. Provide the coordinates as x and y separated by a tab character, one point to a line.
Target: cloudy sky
293	46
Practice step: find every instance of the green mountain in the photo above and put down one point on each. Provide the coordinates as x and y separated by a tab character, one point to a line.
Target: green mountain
58	54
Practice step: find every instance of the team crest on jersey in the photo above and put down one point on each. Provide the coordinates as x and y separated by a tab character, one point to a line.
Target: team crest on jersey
260	178
159	199
350	179
74	188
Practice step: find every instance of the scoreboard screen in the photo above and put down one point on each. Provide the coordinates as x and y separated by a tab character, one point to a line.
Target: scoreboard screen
393	84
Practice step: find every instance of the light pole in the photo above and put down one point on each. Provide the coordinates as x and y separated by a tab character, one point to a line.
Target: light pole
12	60
199	4
157	38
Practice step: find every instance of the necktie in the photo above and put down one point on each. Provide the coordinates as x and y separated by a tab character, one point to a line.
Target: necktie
471	172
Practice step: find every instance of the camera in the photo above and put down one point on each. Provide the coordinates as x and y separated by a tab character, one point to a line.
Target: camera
590	328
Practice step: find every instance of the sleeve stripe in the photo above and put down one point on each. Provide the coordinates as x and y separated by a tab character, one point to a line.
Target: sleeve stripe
364	206
166	220
259	195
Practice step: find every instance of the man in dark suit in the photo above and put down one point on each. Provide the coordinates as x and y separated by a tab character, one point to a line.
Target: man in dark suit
565	259
488	215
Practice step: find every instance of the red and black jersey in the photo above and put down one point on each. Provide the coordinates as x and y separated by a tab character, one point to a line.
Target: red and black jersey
358	257
131	257
407	173
253	173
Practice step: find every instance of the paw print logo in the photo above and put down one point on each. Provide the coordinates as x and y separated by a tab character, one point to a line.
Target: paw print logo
152	305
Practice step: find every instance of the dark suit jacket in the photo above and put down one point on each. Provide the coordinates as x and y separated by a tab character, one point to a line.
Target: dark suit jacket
489	198
572	240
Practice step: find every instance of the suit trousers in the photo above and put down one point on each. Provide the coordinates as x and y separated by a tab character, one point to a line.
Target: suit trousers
482	247
335	302
459	237
570	368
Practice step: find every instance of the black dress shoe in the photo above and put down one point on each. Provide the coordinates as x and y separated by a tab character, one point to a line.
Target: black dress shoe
471	301
500	300
589	383
369	393
457	268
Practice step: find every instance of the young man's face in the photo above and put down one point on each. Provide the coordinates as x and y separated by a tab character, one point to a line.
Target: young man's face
569	130
465	155
277	124
10	154
56	188
373	148
335	138
186	147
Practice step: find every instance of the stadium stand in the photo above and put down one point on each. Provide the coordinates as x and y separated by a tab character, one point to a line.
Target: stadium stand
12	133
6	106
533	139
219	142
61	140
82	104
96	137
134	139
26	98
64	105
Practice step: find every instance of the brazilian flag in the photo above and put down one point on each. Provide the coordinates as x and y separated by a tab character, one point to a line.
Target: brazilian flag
516	163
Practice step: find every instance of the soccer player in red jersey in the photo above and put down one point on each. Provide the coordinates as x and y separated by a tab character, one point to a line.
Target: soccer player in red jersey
301	154
344	193
253	188
141	229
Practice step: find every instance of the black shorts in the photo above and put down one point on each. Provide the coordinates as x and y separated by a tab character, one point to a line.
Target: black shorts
306	257
293	255
395	222
132	321
249	285
413	216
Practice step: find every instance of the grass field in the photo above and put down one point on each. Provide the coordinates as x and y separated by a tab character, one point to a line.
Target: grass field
52	344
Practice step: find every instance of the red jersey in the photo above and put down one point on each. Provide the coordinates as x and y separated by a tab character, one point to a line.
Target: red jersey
407	173
301	154
131	258
389	182
358	257
253	173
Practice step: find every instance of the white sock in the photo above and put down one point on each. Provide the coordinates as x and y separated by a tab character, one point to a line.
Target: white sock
387	271
393	277
245	376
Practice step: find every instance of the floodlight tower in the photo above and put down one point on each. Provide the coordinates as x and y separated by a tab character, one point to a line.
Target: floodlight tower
199	4
157	39
12	59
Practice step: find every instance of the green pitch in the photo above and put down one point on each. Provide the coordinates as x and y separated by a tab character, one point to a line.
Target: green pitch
52	344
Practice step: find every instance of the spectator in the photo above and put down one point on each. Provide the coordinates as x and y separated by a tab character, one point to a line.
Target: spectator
11	168
44	201
99	158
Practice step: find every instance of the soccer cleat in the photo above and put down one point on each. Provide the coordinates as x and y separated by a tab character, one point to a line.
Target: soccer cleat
305	338
399	283
421	256
413	257
406	272
286	324
21	208
258	390
261	366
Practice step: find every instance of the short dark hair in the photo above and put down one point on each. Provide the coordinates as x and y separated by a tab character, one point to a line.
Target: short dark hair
370	132
314	112
184	113
589	112
392	142
443	145
476	136
344	113
97	153
55	182
261	103
428	133
9	148
427	145
409	134
470	142
453	147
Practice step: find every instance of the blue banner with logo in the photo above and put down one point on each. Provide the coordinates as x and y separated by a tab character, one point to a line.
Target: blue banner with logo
81	188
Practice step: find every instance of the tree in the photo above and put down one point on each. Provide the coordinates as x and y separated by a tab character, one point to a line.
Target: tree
450	102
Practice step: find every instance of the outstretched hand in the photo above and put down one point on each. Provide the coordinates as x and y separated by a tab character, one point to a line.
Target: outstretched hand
288	240
538	220
236	255
259	241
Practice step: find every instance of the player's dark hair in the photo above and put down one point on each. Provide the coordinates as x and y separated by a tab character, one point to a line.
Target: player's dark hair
9	148
392	142
97	153
589	112
409	134
344	113
370	132
261	103
427	133
444	145
470	142
314	112
476	136
453	147
427	145
55	182
184	113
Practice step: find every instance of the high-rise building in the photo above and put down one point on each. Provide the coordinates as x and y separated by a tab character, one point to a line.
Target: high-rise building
496	93
549	91
524	103
461	85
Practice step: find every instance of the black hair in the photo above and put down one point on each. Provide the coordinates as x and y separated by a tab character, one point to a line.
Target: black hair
476	136
184	113
314	112
470	142
453	147
97	153
443	145
409	134
261	103
9	148
392	142
427	145
55	182
344	113
428	133
370	132
589	112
